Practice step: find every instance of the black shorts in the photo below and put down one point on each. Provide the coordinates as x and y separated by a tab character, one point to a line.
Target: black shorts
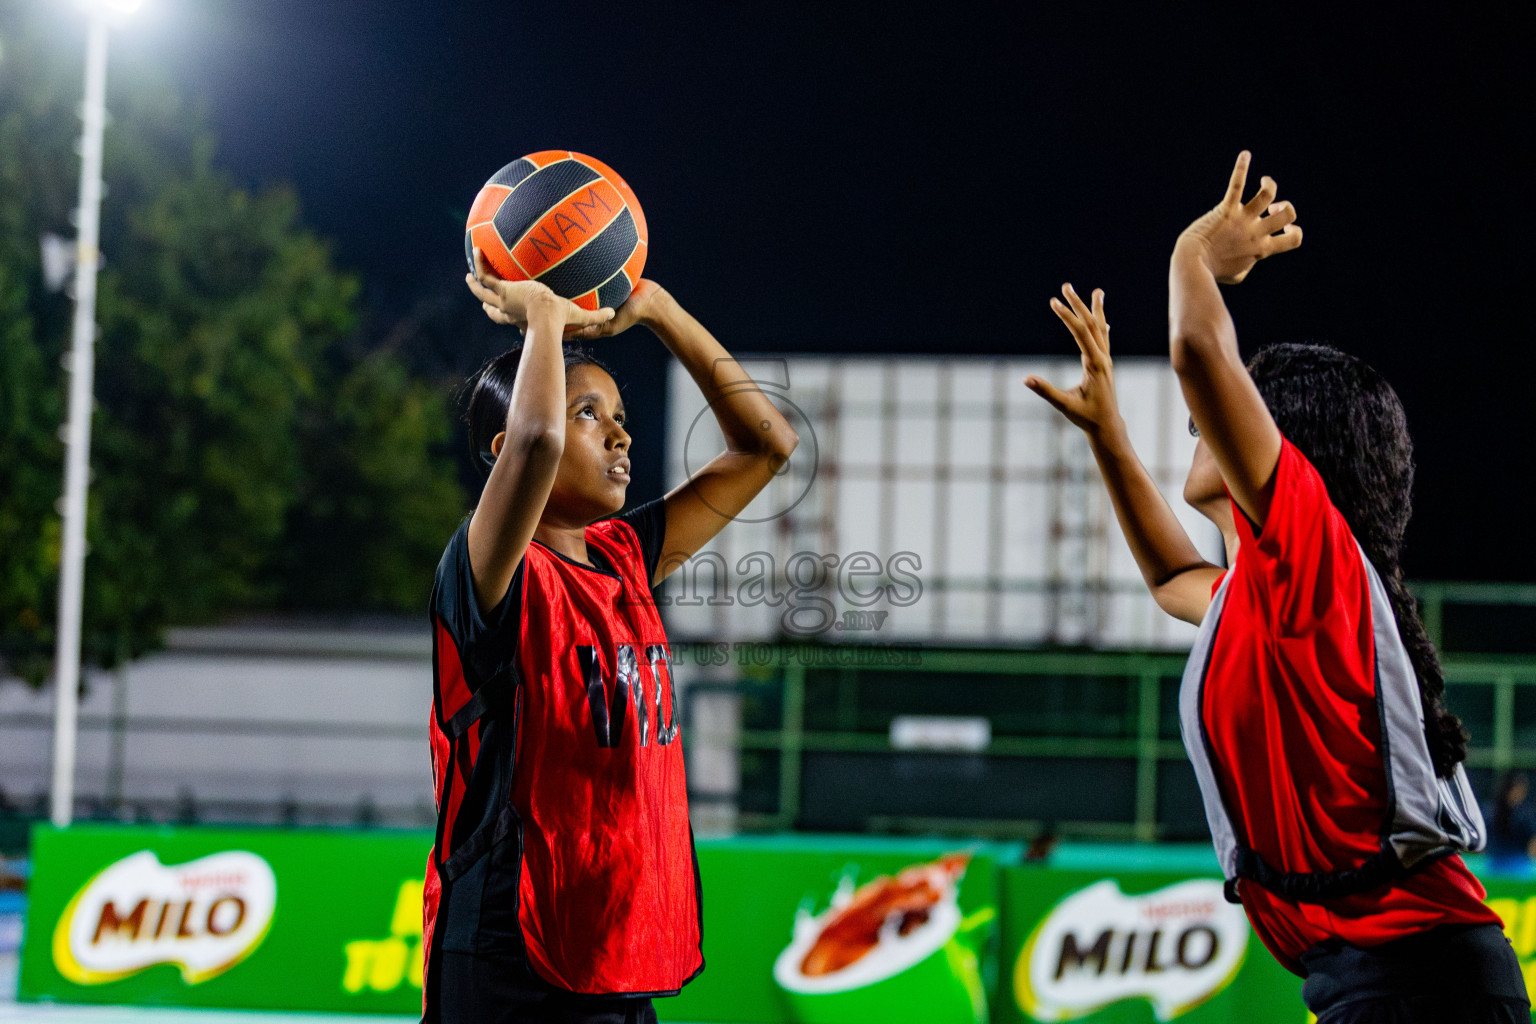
473	990
1454	974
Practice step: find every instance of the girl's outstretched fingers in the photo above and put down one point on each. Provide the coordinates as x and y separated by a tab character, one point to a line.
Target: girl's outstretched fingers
1286	240
1098	316
1048	391
1078	305
1232	236
1282	231
1089	328
1091	406
1278	215
1074	324
1238	181
1263	198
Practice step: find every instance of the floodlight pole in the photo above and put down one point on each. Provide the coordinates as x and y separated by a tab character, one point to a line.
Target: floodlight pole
77	437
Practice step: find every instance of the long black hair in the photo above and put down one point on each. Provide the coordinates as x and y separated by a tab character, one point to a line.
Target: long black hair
1346	419
490	395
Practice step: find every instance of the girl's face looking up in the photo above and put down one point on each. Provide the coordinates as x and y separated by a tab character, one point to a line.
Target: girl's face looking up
594	468
594	465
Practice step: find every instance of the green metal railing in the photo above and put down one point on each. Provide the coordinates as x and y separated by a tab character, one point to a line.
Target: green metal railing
792	739
1484	689
1435	597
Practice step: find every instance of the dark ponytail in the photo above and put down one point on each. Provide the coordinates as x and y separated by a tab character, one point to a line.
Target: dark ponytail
490	395
1346	419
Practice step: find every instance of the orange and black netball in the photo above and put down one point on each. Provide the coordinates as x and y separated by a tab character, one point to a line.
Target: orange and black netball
565	220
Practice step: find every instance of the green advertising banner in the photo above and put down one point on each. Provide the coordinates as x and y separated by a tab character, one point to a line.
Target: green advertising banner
243	918
795	930
1514	900
844	931
804	930
1131	937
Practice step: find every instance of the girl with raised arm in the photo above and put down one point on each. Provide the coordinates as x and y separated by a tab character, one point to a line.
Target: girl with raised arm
1312	705
562	886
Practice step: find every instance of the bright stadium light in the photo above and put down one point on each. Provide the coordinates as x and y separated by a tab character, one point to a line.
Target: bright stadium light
119	6
77	430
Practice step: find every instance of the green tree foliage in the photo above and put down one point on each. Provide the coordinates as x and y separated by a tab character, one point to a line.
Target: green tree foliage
356	477
248	449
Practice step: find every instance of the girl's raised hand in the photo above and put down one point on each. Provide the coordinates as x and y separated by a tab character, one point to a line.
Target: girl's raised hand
642	306
514	302
1091	406
1235	235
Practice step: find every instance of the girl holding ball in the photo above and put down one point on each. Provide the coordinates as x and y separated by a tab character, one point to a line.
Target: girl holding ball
562	886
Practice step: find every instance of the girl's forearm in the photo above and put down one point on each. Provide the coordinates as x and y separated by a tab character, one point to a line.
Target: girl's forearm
1222	398
536	410
749	421
1156	537
1200	329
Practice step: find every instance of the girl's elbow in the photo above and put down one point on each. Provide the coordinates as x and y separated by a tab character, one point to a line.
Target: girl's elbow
1176	606
539	439
785	441
775	442
1191	348
1185	602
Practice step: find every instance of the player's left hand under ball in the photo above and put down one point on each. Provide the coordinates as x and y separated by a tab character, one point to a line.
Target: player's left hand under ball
643	306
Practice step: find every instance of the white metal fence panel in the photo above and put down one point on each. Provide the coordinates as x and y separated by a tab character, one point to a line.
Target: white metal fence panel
932	500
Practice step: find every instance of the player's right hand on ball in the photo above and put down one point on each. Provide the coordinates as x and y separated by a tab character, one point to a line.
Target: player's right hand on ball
517	302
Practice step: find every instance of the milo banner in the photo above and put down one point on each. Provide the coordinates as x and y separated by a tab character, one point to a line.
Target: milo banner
1110	943
824	930
1514	900
243	918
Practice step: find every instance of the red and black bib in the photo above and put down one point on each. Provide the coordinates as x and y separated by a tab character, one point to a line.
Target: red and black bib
563	836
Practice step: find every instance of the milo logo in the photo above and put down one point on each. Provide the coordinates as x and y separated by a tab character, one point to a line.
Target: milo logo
1176	948
203	916
894	946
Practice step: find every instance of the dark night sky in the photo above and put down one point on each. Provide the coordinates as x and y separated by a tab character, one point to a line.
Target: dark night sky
842	177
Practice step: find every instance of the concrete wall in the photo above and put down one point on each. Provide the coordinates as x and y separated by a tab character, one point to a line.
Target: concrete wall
243	720
269	722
